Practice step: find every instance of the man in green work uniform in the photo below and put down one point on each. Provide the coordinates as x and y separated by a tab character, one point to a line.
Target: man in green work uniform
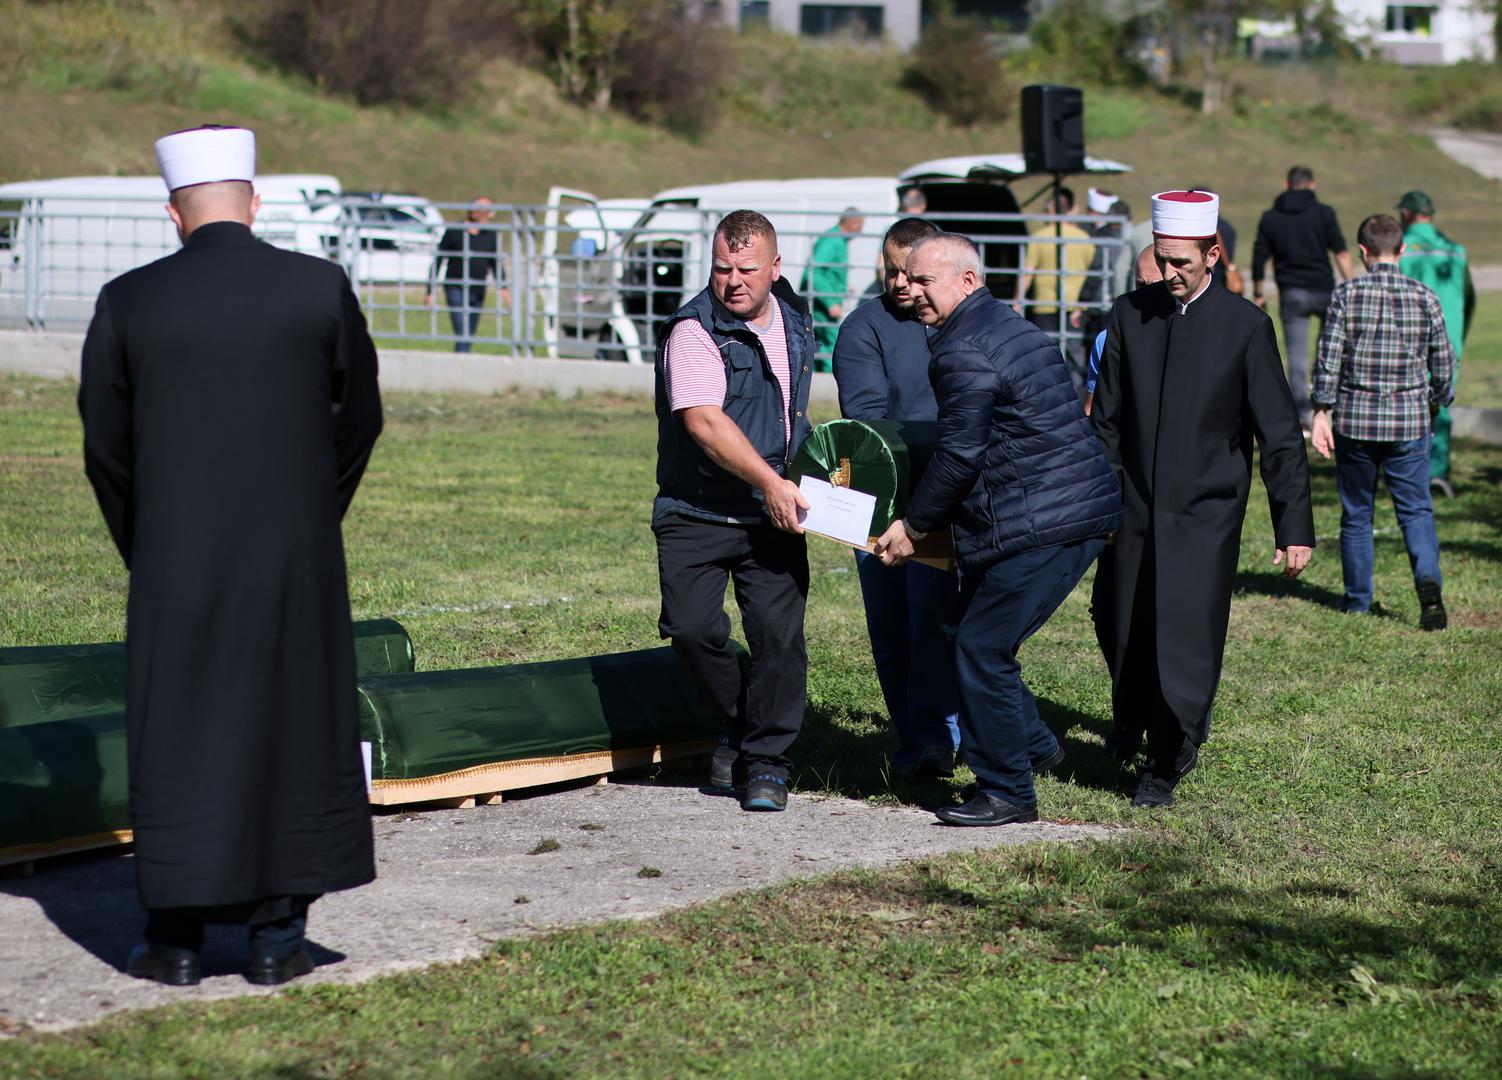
825	283
1440	263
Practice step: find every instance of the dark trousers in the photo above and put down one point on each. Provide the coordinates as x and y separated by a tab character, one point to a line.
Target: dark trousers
1001	732
1405	466
1137	697
1295	308
277	924
466	304
905	608
761	706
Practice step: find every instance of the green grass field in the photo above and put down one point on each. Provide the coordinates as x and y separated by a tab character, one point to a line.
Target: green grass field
1324	900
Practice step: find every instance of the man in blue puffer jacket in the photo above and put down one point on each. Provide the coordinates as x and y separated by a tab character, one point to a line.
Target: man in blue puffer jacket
1021	478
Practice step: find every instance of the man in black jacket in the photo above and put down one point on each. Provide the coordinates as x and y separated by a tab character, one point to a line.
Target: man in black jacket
1299	234
1021	478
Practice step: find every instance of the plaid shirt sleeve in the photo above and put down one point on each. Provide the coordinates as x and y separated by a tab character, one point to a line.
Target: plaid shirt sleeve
1332	349
1441	356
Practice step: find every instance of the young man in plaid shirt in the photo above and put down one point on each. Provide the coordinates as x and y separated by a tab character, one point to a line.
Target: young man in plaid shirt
1384	368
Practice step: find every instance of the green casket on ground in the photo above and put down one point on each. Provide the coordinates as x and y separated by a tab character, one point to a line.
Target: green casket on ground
64	782
42	683
456	734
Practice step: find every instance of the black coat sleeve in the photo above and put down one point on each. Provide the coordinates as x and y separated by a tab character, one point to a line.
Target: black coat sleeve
357	397
1261	250
104	403
859	371
1105	410
967	393
1335	240
1275	423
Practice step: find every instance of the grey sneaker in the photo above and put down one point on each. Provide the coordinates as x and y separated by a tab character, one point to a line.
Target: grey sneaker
722	767
766	791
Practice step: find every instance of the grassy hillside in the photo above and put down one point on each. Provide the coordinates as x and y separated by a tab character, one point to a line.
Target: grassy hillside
89	85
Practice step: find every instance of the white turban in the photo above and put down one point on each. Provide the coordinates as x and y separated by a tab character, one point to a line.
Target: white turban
205	155
1186	215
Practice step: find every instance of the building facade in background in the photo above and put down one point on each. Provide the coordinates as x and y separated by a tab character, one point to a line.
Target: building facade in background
1442	32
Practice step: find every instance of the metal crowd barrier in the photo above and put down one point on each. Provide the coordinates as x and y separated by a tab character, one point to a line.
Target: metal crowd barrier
529	280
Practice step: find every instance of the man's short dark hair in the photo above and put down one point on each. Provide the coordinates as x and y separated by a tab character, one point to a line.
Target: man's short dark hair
908	231
1066	198
741	227
1380	235
1300	176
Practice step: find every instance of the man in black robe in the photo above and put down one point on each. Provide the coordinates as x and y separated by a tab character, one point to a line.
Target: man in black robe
229	406
1190	379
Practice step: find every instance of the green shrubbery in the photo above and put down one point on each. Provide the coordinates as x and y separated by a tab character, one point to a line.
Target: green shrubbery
957	70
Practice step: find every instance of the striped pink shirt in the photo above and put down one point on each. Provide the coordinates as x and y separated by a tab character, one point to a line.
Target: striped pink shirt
696	371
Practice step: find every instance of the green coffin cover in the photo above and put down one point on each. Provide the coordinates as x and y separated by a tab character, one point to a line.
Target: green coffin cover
444	721
886	458
63	780
44	683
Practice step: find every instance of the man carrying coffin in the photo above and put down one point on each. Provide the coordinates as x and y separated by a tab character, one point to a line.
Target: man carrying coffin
1020	476
229	406
733	375
1190	379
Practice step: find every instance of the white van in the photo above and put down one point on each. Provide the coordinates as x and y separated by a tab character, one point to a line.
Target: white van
649	270
61	240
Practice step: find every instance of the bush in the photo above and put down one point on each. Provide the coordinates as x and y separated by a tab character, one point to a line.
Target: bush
671	72
958	72
1482	113
413	52
1080	41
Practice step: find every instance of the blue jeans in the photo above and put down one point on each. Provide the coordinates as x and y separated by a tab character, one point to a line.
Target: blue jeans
1000	729
1295	307
1406	468
465	306
905	608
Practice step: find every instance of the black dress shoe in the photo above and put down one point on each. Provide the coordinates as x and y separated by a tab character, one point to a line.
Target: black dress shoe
275	970
1431	606
1052	761
987	809
163	964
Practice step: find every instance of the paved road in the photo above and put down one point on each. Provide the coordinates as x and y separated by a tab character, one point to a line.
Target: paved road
449	883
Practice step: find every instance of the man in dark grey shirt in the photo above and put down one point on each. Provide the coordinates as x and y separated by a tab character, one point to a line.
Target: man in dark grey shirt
881	367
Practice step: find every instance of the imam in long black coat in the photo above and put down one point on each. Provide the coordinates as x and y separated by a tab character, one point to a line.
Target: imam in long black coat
1179	403
229	406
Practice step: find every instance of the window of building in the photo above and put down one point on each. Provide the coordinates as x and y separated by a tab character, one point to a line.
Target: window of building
826	20
756	12
1410	19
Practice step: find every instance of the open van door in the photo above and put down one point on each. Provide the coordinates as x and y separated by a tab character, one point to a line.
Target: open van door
573	284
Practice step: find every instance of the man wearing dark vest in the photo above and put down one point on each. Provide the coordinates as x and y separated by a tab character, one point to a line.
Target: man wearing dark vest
229	405
734	367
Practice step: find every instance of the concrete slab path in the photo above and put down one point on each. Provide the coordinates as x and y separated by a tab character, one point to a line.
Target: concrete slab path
450	882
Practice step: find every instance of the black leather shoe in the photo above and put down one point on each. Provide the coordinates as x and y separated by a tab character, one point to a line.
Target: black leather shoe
1431	606
1153	792
1052	761
275	970
722	768
163	964
986	809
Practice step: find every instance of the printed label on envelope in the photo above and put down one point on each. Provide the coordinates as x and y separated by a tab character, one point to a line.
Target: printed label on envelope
837	512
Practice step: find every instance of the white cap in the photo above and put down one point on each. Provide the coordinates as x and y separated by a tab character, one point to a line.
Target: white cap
1186	215
204	155
1100	202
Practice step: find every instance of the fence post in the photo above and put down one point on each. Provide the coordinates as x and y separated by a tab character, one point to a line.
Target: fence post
31	227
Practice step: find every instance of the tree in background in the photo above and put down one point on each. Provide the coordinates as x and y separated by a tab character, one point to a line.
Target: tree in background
956	68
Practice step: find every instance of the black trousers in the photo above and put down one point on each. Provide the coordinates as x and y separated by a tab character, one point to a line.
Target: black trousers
762	705
277	924
1137	697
